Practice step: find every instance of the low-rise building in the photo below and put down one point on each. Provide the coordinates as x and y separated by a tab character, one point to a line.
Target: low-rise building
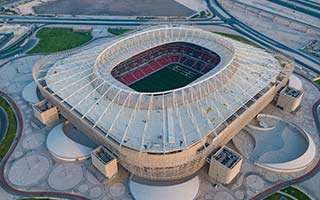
225	165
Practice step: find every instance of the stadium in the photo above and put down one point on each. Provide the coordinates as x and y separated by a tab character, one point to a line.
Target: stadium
162	99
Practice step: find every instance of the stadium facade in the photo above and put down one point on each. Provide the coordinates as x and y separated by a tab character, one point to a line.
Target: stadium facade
165	98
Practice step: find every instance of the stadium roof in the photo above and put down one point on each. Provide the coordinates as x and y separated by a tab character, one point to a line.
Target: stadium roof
163	121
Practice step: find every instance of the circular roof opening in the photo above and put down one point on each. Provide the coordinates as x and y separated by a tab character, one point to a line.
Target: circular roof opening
163	60
165	67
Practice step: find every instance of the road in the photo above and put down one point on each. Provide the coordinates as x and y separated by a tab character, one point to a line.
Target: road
225	19
316	28
298	8
240	27
3	124
20	46
4	183
102	19
6	38
310	174
266	41
99	21
307	3
300	57
30	42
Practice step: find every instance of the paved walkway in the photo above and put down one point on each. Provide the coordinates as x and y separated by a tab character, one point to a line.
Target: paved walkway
4	182
267	42
241	188
30	93
302	178
30	148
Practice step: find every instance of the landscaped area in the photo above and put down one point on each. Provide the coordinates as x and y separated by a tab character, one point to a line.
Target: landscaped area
118	31
238	38
12	128
59	39
317	81
278	196
294	192
201	15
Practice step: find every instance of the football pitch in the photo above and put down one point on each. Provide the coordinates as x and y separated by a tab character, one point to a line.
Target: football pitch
171	77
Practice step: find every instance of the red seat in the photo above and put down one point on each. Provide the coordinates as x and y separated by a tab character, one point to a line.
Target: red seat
154	65
129	79
147	69
138	74
175	58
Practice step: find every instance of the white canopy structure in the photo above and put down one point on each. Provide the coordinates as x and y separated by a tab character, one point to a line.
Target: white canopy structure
64	148
84	82
187	190
157	123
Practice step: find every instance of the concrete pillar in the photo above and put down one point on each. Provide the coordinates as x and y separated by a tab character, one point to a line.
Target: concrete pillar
259	14
290	24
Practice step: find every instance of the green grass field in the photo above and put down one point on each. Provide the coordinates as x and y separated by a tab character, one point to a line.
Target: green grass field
118	31
317	81
59	39
296	193
163	80
12	128
277	196
291	191
238	38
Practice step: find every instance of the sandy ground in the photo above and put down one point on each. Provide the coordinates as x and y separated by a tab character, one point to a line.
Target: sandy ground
27	8
303	6
281	10
16	74
17	29
279	31
115	7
